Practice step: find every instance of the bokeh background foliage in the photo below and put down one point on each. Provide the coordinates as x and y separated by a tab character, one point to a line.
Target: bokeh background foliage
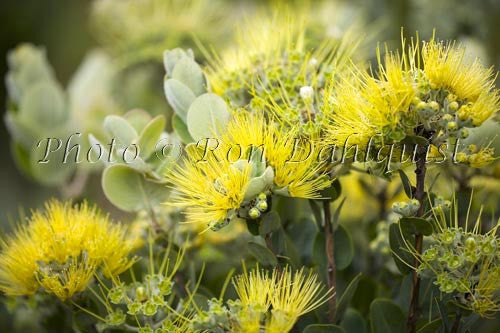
87	32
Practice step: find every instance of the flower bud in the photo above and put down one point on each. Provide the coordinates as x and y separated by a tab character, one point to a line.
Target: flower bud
262	196
262	205
421	106
140	293
452	125
434	105
254	213
453	106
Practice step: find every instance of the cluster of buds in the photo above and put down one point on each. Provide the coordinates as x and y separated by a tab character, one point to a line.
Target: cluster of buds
145	298
258	206
215	319
442	113
465	265
406	208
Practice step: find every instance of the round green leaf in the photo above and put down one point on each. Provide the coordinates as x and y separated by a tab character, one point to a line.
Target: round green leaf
206	116
138	118
129	190
148	139
386	317
179	96
120	129
353	321
189	72
263	255
344	248
44	105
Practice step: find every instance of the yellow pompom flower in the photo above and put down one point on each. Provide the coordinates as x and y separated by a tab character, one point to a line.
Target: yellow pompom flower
213	184
427	90
60	249
445	67
280	297
296	168
294	295
363	106
211	190
272	58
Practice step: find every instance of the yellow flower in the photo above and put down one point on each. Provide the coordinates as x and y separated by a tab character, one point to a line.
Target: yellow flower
261	39
60	249
254	287
281	297
210	189
213	187
297	171
426	90
482	158
445	67
294	295
272	59
363	106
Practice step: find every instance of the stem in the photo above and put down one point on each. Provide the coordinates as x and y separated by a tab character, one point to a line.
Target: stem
419	194
456	323
330	256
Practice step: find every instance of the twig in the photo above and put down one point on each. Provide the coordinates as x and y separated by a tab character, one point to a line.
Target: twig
456	323
330	256
419	194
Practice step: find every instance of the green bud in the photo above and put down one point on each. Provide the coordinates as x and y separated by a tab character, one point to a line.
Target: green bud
472	148
262	196
470	243
452	125
421	106
430	254
140	293
116	294
115	318
488	247
262	206
464	133
454	262
134	308
448	237
254	213
165	287
146	329
453	106
434	105
471	256
149	308
447	117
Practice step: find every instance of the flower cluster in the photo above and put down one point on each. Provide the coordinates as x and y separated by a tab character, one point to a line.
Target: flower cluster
280	70
438	97
270	302
465	264
61	249
255	159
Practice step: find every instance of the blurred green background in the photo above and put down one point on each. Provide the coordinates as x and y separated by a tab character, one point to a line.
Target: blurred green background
62	28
